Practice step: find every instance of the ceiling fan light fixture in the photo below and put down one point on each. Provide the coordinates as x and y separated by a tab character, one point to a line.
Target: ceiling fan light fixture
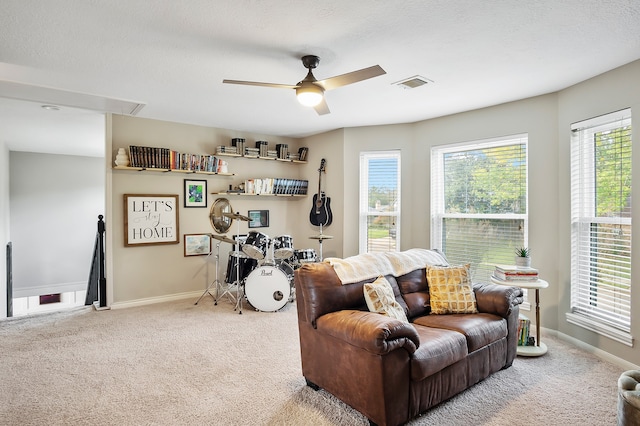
309	95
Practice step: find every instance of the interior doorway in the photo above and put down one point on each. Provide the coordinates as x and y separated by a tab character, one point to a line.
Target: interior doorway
56	192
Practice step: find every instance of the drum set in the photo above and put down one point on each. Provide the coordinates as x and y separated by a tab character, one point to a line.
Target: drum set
260	269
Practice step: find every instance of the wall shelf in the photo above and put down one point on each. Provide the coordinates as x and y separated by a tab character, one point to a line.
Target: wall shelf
256	157
242	194
158	170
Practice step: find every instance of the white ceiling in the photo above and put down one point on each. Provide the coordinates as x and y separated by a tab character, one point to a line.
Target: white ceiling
173	55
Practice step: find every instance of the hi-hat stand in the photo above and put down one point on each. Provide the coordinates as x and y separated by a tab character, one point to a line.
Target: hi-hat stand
239	289
215	282
320	237
226	289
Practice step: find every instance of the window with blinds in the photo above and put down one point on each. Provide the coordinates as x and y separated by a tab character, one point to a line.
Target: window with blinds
601	224
379	201
479	202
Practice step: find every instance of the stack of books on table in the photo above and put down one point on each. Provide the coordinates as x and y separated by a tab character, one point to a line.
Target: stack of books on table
515	273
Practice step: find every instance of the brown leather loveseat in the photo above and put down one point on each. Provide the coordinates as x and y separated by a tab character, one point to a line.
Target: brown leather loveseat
391	370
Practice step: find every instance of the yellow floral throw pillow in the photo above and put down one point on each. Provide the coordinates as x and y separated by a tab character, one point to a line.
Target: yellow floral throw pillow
379	298
450	290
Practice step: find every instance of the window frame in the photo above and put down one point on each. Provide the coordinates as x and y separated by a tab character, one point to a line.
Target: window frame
583	220
363	203
438	214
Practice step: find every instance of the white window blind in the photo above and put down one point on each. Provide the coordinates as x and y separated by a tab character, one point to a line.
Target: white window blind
379	201
601	220
479	202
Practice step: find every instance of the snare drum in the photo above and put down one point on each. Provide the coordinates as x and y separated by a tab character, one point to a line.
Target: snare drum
283	247
306	256
267	288
246	265
256	245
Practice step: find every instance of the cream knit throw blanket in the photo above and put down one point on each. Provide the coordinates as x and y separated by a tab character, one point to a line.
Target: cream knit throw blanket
371	265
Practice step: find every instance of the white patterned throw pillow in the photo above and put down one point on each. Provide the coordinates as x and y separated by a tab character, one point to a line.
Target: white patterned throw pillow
379	298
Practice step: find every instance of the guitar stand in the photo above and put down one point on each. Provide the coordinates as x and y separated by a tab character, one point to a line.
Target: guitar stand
215	282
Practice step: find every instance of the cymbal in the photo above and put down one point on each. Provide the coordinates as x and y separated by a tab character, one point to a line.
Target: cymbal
321	237
223	238
236	216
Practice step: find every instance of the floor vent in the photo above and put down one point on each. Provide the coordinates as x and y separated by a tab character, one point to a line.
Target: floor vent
47	299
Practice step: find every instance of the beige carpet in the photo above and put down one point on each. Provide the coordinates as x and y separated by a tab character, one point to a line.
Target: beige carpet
180	364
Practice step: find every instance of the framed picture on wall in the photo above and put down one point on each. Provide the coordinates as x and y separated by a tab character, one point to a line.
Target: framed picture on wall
197	244
259	218
150	219
195	193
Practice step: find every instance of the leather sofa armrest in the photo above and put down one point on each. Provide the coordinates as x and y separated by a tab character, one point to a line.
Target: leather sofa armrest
497	299
373	332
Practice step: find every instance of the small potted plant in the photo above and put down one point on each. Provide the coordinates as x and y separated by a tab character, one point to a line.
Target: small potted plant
523	257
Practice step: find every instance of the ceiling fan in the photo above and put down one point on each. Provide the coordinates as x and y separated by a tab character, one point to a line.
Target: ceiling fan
309	91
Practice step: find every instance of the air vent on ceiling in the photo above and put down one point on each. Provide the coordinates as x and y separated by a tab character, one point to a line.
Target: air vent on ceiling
413	82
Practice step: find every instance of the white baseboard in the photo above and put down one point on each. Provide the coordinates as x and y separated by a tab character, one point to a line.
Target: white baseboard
159	299
606	356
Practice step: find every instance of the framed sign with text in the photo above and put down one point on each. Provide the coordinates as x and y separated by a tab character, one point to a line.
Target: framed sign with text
150	219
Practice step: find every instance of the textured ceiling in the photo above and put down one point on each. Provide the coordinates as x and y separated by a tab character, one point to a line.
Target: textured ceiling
172	56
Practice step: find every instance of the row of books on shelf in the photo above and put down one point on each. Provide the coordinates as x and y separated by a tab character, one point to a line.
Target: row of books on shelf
276	186
524	339
261	149
165	158
515	273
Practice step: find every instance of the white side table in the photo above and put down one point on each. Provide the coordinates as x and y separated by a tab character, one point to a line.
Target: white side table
540	348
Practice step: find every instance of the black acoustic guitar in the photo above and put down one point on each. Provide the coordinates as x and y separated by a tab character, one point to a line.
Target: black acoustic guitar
320	214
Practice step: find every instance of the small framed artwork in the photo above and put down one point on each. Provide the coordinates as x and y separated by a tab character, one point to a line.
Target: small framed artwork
197	244
150	219
195	193
259	218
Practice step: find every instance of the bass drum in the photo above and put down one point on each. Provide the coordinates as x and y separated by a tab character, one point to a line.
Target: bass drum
267	288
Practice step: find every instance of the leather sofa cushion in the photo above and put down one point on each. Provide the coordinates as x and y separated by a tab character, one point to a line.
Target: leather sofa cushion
439	348
415	292
479	329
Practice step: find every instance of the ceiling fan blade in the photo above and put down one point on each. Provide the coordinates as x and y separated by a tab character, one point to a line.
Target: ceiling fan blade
257	83
351	77
322	108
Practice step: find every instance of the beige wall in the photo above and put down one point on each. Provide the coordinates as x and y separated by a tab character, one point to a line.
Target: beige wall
328	146
154	272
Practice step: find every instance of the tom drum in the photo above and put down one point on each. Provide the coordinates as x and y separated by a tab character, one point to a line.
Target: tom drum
306	256
256	245
283	247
